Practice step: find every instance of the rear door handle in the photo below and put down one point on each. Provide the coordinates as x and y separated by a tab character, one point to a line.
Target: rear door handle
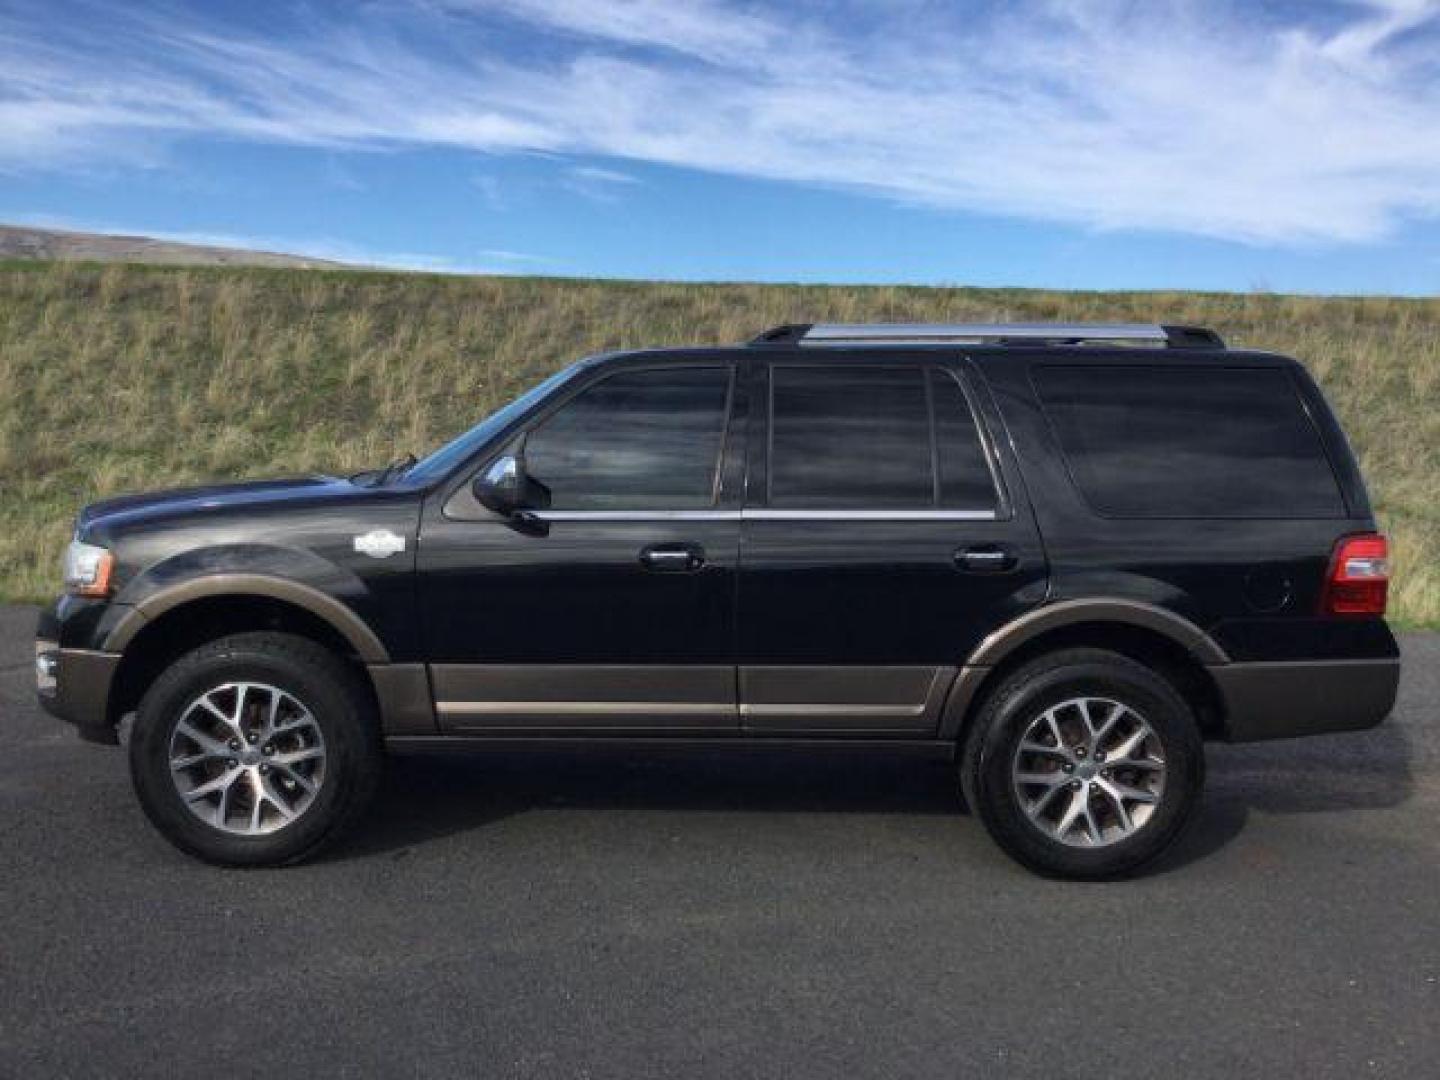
672	558
986	559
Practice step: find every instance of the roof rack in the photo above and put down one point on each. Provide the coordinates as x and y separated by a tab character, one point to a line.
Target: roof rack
1174	337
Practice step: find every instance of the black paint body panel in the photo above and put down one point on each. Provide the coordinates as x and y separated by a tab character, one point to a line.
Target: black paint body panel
302	531
494	594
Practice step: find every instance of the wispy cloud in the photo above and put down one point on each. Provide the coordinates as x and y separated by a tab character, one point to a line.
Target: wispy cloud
1312	123
500	255
595	174
597	184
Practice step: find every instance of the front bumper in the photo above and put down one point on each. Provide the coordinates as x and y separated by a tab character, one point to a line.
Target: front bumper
1278	700
74	685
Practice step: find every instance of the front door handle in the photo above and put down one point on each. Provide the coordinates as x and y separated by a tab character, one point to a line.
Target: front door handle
986	559
672	558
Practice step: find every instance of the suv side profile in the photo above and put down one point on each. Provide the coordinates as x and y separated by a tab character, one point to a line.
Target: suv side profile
1064	556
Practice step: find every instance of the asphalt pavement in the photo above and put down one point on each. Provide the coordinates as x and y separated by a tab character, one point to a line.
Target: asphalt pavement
755	914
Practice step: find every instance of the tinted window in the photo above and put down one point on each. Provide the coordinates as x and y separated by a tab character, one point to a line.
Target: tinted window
847	437
640	440
1189	442
965	478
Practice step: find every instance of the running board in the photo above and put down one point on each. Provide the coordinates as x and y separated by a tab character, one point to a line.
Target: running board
739	741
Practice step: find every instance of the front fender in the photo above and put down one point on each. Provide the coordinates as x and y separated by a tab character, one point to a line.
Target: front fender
333	593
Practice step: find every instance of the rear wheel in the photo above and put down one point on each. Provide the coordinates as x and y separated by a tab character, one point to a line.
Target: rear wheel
255	750
1084	764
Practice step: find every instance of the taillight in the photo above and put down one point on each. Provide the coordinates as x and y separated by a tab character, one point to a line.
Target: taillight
1359	577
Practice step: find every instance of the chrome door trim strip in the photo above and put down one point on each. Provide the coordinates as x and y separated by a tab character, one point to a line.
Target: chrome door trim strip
584	708
823	709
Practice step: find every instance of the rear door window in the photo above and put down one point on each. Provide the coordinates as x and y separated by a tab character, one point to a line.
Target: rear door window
1189	442
898	437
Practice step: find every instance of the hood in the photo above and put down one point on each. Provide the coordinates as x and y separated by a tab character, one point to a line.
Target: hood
127	509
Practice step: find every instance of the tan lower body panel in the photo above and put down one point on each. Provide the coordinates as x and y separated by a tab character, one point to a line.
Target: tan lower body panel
403	693
577	697
817	699
799	700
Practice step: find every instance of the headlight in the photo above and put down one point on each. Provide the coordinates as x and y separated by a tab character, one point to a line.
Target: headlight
87	569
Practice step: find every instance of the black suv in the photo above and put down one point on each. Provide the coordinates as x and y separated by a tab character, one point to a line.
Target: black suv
1062	555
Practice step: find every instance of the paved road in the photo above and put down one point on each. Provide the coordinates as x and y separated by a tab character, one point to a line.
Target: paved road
554	915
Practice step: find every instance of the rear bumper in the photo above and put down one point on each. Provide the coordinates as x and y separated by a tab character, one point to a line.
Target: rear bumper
74	685
1279	700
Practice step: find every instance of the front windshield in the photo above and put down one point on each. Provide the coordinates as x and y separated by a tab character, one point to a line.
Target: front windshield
439	462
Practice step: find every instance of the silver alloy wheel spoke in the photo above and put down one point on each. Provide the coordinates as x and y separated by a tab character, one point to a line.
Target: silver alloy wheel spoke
1129	746
1041	748
1106	759
1117	801
294	757
276	799
1116	712
247	758
220	784
1050	779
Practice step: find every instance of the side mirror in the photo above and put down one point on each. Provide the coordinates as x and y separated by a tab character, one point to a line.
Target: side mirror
505	489
499	487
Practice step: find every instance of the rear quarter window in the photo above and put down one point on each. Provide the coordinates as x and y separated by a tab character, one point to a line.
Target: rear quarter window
1197	442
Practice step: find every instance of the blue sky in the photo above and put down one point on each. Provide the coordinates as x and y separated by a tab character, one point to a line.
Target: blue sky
1069	143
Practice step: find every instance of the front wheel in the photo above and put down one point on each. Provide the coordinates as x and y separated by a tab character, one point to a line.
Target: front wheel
1084	764
254	750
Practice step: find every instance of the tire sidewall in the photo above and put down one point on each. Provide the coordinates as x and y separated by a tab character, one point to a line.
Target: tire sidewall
328	700
1010	715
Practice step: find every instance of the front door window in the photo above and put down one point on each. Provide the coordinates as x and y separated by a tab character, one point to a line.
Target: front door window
639	440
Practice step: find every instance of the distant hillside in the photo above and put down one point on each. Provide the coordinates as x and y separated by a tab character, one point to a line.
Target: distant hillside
118	378
25	242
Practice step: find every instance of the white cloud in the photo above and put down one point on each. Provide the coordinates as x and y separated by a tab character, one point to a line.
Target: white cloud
595	183
598	175
1222	119
704	29
500	255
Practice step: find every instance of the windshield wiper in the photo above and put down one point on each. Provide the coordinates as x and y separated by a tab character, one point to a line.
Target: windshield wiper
398	467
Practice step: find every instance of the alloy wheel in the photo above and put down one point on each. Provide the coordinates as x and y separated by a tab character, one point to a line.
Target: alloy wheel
247	758
1089	772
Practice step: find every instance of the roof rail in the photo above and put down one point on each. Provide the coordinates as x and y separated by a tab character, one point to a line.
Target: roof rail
1175	337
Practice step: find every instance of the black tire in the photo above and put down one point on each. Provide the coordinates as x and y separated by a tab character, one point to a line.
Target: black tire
993	740
328	689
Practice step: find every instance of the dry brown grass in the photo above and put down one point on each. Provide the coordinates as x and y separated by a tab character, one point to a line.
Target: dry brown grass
125	377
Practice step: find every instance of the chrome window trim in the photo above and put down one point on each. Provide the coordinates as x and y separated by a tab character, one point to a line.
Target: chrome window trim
637	515
766	514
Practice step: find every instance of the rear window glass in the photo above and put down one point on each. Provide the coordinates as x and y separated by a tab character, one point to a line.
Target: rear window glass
1189	442
850	437
965	478
894	437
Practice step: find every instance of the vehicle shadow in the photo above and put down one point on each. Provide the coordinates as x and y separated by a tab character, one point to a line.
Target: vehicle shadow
426	797
1355	771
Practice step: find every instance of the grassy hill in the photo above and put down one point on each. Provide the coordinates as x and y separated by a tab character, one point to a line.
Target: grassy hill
122	377
30	242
